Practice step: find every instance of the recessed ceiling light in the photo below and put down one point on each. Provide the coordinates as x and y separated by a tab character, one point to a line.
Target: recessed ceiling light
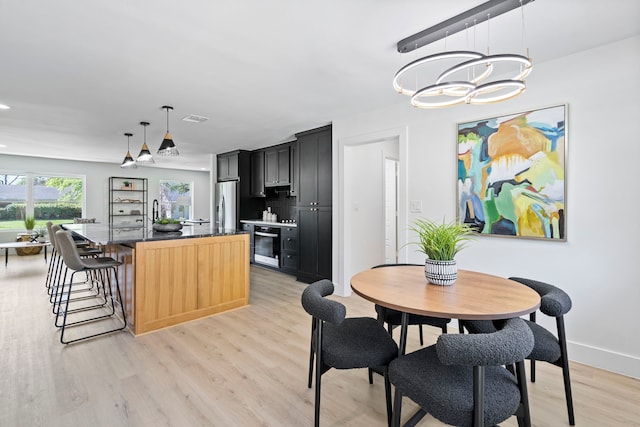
193	118
4	107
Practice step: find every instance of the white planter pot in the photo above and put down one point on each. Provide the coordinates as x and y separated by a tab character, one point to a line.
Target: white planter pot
440	272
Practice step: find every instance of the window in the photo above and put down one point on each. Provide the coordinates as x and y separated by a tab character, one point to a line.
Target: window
176	199
48	198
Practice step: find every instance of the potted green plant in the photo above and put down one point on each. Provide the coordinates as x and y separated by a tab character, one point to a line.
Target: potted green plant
441	242
29	236
29	222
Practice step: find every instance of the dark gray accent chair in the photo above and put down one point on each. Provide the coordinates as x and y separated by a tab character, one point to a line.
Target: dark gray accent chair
556	303
462	380
393	318
344	343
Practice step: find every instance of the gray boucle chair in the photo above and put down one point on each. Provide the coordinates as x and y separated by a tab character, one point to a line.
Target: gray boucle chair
461	379
344	343
556	303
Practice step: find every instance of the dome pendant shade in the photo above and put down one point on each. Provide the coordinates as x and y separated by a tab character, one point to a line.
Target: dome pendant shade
145	155
168	148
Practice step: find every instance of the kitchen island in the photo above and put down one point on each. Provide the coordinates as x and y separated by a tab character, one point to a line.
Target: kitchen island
170	278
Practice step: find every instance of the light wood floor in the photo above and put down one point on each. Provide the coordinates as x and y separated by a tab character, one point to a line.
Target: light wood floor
243	368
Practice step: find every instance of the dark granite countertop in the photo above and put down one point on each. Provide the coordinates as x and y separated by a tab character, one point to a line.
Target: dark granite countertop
268	223
103	234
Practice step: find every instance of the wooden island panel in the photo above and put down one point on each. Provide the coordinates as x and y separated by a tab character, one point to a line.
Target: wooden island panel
185	279
222	266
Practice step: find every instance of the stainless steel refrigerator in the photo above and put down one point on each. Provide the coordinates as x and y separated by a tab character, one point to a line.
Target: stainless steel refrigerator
227	205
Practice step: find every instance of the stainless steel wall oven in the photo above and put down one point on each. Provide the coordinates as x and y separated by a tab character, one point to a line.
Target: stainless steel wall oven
267	246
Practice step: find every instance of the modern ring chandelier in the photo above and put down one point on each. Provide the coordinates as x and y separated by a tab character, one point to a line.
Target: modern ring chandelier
468	81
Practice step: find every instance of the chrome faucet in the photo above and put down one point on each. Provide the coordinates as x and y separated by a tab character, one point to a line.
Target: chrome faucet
155	211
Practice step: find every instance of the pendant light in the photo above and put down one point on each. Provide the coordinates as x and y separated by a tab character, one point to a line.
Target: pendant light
168	148
145	154
128	161
466	82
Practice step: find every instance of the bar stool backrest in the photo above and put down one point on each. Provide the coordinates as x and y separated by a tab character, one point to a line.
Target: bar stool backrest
67	248
52	235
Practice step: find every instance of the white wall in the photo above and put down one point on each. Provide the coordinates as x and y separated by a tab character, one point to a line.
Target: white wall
97	183
598	264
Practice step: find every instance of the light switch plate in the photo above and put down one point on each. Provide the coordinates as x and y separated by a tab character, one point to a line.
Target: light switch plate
416	206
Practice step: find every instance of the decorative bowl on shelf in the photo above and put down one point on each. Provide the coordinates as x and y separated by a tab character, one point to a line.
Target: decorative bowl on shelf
176	226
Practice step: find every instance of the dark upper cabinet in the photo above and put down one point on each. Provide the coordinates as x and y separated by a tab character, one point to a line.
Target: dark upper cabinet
257	174
314	163
294	169
228	169
276	166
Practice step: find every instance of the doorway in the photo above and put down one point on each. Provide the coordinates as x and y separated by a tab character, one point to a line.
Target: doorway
370	221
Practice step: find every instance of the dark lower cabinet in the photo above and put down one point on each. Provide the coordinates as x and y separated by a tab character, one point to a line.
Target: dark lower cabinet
289	250
249	228
314	244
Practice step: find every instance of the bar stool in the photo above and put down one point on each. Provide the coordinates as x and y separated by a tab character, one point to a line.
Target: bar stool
54	273
100	269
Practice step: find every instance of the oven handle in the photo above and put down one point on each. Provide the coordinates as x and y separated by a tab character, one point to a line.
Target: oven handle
260	233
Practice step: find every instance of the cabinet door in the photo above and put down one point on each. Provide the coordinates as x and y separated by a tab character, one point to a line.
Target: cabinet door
228	167
249	228
283	166
223	168
276	166
293	169
257	174
324	168
308	166
307	244
270	167
234	170
324	243
314	244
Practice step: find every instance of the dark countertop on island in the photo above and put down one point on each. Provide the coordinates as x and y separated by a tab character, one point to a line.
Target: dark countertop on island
104	234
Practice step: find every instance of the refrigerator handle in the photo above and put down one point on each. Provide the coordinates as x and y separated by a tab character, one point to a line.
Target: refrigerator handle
222	212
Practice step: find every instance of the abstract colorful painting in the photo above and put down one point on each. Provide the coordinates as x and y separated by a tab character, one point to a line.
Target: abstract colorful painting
511	174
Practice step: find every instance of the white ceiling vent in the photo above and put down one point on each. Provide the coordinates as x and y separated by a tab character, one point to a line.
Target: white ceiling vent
194	118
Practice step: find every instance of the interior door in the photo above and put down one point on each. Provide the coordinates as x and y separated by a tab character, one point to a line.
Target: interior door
390	211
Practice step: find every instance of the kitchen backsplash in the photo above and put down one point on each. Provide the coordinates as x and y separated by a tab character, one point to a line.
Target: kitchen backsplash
281	204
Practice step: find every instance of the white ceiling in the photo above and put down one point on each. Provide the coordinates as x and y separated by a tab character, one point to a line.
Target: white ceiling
79	74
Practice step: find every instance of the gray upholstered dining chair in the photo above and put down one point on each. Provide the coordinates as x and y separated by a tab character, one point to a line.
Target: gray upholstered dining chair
393	318
344	343
556	303
461	379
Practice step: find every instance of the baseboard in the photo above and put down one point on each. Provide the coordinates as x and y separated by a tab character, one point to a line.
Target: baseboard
623	364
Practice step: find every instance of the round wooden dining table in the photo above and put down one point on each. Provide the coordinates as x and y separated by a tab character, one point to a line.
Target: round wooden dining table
473	296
